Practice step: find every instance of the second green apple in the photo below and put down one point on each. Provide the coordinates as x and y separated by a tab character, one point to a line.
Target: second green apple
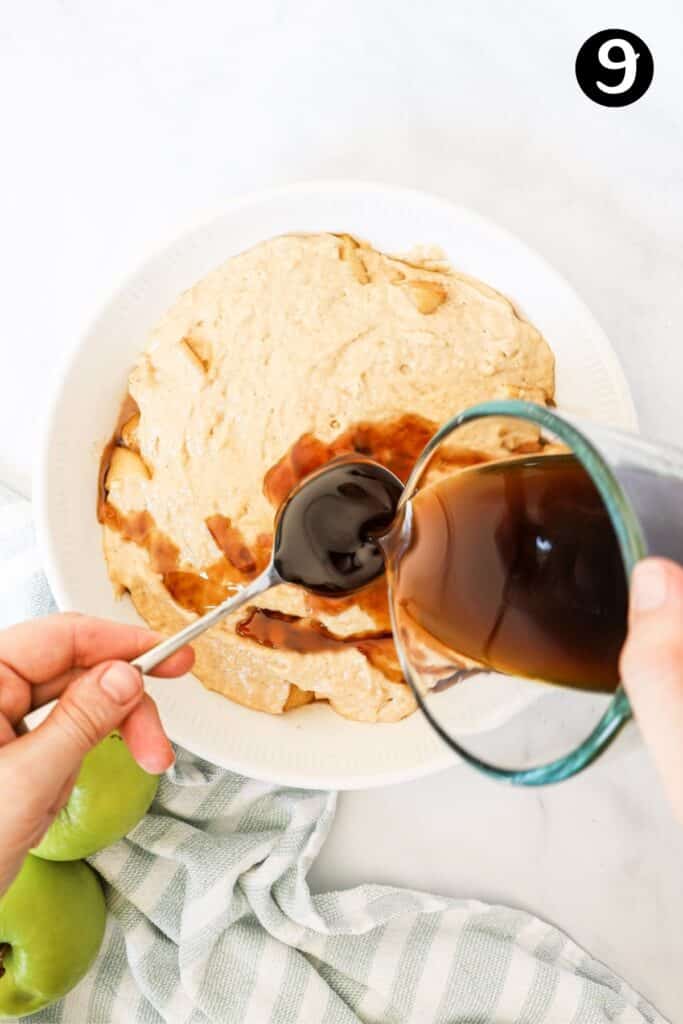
112	793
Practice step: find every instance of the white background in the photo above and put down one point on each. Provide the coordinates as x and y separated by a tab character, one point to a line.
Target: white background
122	121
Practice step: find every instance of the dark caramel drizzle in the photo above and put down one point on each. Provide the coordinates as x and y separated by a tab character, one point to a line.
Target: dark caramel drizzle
246	562
139	528
309	636
194	593
231	542
395	444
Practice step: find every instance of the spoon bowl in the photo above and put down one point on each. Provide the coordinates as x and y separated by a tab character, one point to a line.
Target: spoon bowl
326	532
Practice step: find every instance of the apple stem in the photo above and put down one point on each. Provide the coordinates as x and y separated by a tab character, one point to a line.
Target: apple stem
4	950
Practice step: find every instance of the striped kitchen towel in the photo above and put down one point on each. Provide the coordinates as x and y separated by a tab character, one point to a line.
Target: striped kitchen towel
211	918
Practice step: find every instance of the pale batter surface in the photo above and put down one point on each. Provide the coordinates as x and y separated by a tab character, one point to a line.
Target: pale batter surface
300	335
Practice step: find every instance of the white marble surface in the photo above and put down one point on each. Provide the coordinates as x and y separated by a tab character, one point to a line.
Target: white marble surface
120	121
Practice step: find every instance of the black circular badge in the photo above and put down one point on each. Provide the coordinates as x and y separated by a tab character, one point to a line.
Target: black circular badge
614	67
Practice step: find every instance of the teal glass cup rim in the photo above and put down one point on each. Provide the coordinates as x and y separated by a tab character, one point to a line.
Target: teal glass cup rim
632	546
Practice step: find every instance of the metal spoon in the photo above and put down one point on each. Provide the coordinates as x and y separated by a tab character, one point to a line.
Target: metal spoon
325	539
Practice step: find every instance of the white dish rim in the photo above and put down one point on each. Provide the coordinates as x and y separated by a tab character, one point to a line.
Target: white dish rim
446	758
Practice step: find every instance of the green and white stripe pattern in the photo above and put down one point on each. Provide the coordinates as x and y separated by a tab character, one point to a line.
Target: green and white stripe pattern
212	920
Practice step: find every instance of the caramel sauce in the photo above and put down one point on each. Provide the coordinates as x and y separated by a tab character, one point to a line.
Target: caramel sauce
395	444
193	592
139	528
516	566
247	562
279	631
231	542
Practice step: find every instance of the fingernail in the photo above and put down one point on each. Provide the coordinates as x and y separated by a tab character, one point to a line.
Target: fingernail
121	682
156	765
649	586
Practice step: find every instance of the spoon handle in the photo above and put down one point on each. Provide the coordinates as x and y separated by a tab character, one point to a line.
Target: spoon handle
150	659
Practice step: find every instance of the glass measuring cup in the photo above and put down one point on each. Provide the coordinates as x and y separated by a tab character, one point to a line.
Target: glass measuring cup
508	726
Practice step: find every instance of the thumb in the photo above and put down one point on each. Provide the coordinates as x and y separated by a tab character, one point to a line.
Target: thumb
90	707
652	667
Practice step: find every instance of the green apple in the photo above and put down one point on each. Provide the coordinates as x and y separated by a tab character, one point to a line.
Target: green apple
51	925
111	795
